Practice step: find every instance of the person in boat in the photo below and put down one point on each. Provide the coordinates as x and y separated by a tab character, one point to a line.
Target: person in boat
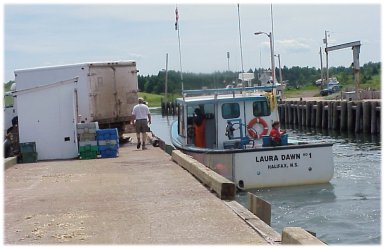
140	114
275	134
199	121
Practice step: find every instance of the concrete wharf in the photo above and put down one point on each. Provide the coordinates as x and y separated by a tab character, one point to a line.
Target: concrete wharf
140	197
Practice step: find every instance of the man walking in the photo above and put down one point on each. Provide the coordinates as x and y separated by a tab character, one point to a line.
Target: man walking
140	113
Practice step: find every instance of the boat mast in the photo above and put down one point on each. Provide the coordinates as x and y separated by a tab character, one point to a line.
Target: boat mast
177	27
241	47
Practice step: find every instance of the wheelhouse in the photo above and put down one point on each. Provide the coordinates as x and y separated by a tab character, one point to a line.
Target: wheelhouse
203	120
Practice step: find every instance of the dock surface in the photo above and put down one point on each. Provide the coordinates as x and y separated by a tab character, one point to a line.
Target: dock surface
140	197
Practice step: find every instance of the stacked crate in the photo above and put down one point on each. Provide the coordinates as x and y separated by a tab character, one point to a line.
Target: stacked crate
87	140
28	152
108	142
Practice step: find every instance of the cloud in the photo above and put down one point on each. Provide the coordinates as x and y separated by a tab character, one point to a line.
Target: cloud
294	45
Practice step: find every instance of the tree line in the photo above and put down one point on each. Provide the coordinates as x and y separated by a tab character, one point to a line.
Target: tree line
294	77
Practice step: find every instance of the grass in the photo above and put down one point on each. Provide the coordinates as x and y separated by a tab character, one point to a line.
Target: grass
291	92
374	83
154	100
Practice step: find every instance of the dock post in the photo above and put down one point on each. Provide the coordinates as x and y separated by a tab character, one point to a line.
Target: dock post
162	108
259	207
294	114
373	118
324	119
358	117
330	111
290	112
313	114
319	111
335	115
299	113
303	114
343	116
366	117
350	119
286	113
308	113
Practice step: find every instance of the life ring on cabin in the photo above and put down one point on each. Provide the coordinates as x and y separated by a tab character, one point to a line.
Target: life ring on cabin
252	131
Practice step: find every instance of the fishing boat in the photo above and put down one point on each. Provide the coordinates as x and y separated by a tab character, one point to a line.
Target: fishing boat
228	129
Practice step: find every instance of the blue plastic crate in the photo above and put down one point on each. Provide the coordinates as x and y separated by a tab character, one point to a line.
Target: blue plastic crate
107	142
284	139
109	153
107	134
108	147
266	140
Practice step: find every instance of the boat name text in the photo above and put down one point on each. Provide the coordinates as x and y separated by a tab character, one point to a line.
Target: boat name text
282	157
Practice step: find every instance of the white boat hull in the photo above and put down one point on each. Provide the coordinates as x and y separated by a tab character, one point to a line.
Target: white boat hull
263	167
285	167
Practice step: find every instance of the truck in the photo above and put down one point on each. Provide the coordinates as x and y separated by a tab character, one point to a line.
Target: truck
50	101
105	92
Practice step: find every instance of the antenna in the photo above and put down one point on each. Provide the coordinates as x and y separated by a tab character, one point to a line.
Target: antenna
241	47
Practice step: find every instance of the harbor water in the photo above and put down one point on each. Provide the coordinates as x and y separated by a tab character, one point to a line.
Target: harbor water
345	211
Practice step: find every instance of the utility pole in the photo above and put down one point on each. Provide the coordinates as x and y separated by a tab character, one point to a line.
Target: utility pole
321	69
272	40
325	40
280	74
228	59
166	79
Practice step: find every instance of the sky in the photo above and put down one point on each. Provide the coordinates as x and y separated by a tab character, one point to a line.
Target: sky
39	34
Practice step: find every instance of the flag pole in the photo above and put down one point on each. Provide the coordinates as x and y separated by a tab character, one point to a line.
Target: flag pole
177	27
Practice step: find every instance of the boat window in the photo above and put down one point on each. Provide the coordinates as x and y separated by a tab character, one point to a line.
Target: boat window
209	110
230	110
261	108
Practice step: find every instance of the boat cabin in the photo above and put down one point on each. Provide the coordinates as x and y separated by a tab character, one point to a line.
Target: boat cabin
226	118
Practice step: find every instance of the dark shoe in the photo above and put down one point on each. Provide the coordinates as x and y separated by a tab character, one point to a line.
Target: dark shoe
144	148
138	145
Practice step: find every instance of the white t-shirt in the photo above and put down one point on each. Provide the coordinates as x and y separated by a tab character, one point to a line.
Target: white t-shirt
141	111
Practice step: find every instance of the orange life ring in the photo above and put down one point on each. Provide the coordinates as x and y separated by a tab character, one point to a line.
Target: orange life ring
252	132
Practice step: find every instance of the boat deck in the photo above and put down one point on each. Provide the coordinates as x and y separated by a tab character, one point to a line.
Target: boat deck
140	197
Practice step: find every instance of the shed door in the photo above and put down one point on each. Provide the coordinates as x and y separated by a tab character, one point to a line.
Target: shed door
47	117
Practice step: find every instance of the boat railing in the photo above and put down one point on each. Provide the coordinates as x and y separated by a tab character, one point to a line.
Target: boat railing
226	90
